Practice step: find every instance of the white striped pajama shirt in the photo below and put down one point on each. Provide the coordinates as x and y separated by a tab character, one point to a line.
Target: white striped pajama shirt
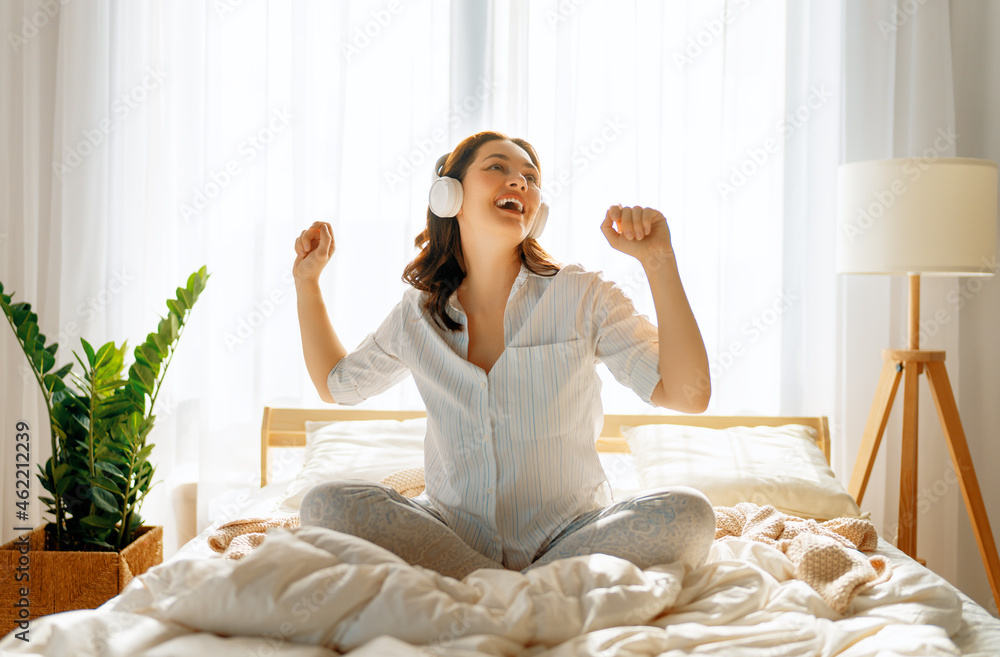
509	455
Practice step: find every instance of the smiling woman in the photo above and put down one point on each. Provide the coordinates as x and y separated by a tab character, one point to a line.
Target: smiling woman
503	343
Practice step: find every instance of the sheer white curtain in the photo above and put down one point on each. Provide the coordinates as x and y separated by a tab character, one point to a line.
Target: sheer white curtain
143	140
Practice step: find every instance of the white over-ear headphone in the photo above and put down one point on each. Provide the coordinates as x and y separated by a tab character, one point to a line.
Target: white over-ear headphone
445	199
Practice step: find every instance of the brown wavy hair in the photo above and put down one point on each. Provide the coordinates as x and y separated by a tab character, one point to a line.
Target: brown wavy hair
437	269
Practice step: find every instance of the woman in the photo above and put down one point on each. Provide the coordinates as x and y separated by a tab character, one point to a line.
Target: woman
502	343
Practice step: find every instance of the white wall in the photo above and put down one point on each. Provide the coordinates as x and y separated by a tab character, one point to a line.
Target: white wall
975	31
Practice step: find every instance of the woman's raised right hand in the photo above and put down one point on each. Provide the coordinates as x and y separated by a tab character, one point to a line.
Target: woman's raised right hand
313	250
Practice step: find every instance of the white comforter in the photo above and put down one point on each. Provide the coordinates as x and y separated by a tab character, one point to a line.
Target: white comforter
313	591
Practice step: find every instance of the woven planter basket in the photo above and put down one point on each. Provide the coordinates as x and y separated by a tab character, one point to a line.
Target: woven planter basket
62	581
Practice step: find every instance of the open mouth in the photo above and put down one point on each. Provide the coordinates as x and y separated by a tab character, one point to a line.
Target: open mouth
510	204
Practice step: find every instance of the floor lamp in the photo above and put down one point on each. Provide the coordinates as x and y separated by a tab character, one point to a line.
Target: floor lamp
918	216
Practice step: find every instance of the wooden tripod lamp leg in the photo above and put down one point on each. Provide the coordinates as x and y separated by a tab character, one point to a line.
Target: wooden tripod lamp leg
885	393
907	536
940	386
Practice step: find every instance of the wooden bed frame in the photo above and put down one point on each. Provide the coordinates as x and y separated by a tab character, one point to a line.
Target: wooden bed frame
286	427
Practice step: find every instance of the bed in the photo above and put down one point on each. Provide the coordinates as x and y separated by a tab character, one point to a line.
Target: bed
312	591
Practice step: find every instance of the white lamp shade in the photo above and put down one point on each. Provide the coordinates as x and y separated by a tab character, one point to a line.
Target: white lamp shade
916	215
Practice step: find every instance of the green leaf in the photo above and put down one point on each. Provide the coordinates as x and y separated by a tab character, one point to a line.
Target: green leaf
186	298
62	485
108	468
53	383
37	360
118	448
104	500
149	353
196	281
104	544
21	332
78	403
143	377
160	344
105	484
48	360
105	354
138	426
111	455
135	396
144	453
87	349
146	428
113	408
34	360
168	328
175	306
113	365
28	332
100	521
19	312
107	385
124	435
140	359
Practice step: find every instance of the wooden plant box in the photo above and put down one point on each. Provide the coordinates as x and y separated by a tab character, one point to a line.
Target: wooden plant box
62	581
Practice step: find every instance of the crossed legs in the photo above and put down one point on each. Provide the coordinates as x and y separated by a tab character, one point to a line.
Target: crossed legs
654	527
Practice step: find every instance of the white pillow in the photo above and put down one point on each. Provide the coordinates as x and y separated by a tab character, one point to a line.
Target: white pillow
368	450
779	466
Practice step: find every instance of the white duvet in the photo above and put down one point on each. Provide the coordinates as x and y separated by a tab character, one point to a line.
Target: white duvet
312	591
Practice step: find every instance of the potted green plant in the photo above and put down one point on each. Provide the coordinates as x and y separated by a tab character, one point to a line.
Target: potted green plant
99	471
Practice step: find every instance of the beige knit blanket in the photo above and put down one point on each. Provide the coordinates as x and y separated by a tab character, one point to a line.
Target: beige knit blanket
825	554
238	538
408	483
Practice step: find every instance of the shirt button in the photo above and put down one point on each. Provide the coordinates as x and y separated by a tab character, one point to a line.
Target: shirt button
489	491
483	385
496	539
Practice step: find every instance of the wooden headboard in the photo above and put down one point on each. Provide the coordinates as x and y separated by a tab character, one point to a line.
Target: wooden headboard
286	427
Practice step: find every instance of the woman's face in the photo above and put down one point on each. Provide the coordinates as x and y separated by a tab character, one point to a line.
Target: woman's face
500	191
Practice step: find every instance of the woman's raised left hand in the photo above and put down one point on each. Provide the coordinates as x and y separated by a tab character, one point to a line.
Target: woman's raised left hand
641	233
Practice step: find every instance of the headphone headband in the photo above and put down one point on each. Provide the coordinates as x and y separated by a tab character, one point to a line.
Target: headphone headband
439	166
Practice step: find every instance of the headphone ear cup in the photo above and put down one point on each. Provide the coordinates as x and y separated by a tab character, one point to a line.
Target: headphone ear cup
541	216
445	198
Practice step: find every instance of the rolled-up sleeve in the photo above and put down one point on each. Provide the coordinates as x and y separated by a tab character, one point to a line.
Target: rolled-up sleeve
373	367
627	342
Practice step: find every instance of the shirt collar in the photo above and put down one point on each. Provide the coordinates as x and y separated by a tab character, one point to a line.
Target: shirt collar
522	277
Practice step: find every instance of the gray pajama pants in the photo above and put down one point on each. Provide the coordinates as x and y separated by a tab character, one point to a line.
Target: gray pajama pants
659	526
